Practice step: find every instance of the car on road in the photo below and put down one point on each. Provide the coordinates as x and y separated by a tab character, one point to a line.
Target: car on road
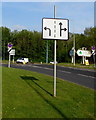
22	60
53	62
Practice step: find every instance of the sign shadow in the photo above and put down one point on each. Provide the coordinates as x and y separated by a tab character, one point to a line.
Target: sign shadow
33	79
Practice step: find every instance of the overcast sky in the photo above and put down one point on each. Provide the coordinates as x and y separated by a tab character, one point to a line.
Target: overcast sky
28	15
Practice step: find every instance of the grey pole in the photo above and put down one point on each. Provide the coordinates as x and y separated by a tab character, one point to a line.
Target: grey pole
74	48
4	51
13	58
94	59
54	58
9	60
47	52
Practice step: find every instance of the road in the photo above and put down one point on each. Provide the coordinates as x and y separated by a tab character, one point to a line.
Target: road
82	77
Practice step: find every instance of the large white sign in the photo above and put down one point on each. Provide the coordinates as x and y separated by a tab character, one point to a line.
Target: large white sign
12	52
85	53
55	28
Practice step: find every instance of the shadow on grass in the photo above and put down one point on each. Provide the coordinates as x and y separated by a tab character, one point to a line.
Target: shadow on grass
33	80
27	79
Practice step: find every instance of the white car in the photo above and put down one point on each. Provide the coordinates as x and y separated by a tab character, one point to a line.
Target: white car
53	62
22	60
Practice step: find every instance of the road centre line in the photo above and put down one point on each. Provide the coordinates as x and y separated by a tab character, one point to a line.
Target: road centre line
52	69
37	67
57	70
64	71
48	68
86	76
67	72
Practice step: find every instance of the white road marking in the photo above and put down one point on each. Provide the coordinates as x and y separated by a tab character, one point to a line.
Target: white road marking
58	70
52	69
37	67
64	71
86	76
48	68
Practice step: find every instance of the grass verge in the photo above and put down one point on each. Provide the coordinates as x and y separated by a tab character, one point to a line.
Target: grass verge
91	66
29	94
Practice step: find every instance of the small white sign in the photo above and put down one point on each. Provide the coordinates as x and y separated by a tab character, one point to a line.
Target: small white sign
57	29
85	53
12	52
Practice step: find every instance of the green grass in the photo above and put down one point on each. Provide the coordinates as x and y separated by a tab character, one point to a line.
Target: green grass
29	94
0	92
91	66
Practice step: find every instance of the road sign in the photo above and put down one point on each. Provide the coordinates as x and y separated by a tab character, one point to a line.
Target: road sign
9	49
9	46
55	28
85	53
93	48
93	52
71	53
12	52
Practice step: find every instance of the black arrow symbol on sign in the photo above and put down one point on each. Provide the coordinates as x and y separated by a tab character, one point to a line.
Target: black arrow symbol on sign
61	28
49	30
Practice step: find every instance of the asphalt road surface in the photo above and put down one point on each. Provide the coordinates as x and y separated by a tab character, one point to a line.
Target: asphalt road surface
82	77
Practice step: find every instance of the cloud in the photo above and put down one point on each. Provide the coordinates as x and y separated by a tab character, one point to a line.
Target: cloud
18	27
21	27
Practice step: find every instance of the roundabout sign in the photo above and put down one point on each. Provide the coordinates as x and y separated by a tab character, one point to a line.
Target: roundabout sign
85	53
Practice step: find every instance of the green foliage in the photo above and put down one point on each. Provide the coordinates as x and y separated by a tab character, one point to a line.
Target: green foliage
30	44
5	40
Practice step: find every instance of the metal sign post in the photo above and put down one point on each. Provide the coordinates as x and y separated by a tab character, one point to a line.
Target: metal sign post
12	52
55	68
47	51
54	59
9	49
55	29
93	53
74	50
13	58
9	60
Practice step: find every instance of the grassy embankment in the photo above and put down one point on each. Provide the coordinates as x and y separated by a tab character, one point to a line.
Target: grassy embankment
29	94
90	66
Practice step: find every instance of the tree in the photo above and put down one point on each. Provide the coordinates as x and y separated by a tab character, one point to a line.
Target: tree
5	40
30	44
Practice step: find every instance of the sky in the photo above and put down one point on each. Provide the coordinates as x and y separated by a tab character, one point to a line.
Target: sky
28	15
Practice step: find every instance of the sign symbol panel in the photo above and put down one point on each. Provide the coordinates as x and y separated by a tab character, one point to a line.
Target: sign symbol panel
57	29
49	30
61	28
